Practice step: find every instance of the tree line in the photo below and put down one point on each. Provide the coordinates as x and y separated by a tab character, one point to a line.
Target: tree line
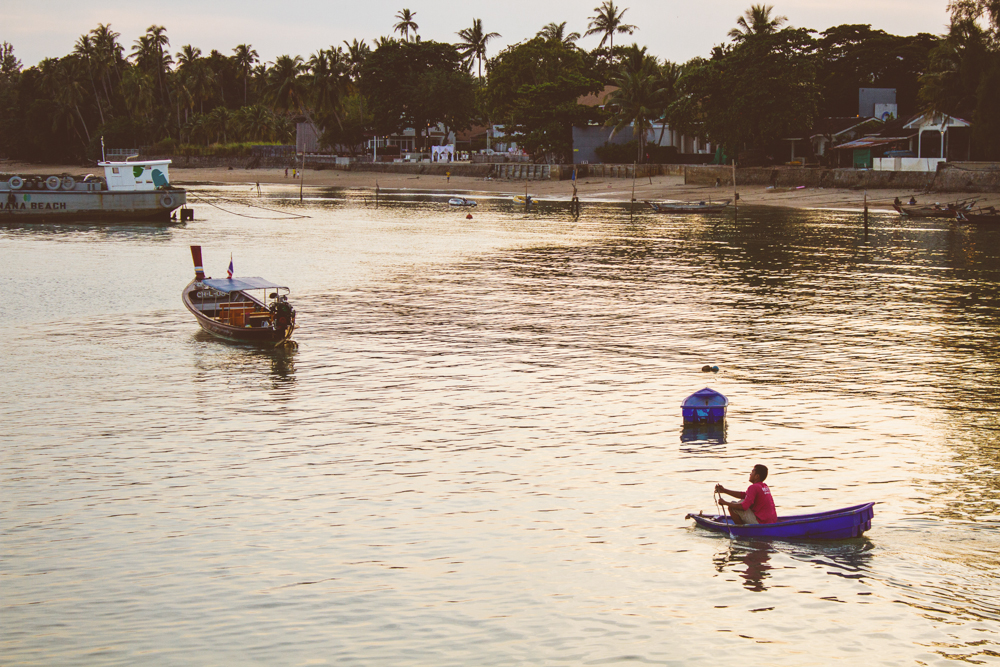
767	82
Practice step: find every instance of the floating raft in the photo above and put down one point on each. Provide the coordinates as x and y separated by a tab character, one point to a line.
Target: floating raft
706	405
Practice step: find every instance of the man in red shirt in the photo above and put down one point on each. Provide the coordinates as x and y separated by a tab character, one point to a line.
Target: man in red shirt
757	505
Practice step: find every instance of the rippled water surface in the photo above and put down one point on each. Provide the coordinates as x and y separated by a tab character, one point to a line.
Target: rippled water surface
475	455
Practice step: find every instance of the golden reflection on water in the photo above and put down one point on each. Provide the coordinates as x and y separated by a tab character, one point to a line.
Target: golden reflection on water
475	456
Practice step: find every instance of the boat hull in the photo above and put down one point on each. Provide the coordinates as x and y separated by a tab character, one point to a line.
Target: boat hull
840	524
706	207
90	206
925	211
236	334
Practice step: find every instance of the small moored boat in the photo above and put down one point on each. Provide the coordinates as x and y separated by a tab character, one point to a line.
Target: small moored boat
462	201
988	215
840	524
689	207
231	309
706	405
950	210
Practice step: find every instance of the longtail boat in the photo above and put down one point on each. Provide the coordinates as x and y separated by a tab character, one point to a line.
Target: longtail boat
840	524
689	207
243	310
950	210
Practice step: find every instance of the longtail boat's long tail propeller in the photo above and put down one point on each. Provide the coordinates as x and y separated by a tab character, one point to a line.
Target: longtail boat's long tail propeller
199	271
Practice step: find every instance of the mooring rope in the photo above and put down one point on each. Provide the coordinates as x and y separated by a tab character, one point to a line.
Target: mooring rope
287	216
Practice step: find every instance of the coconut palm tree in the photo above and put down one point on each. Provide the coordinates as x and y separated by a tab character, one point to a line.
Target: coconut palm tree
356	54
244	60
607	21
187	56
636	103
757	21
473	46
406	24
108	55
285	85
556	32
87	53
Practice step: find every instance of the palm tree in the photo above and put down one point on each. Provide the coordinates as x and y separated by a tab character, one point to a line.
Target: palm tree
87	53
150	53
187	55
635	103
285	85
756	21
244	59
406	24
108	54
328	81
607	21
556	32
473	46
356	54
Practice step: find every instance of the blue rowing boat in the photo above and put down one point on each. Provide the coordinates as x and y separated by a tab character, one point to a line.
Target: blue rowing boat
839	524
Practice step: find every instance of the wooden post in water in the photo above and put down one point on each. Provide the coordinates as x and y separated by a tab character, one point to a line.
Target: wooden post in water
866	211
376	194
736	193
631	205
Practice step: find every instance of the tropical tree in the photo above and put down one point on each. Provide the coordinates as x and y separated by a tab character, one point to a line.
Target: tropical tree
533	89
757	21
473	45
417	84
285	87
750	95
87	53
356	54
964	73
245	57
606	21
638	100
557	32
406	24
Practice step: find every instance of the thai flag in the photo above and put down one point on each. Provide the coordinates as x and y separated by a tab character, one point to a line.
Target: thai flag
230	267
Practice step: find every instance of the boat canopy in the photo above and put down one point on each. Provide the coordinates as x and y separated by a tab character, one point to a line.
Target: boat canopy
228	285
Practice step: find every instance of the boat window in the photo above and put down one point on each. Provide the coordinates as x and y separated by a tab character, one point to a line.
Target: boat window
114	170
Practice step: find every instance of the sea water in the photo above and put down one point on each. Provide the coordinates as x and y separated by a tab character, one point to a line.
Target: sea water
475	455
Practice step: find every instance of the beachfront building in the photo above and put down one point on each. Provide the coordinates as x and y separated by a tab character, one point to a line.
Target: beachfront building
586	140
405	145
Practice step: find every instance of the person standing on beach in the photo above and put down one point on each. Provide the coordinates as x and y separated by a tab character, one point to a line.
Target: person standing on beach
757	505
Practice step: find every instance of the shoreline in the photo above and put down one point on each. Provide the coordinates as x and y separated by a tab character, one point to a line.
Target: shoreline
656	188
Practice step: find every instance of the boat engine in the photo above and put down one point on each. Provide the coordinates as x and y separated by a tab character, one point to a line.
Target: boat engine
282	313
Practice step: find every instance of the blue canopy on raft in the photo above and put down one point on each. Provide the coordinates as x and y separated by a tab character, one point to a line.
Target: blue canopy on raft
228	285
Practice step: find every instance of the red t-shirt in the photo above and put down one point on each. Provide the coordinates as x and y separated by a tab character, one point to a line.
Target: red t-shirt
758	499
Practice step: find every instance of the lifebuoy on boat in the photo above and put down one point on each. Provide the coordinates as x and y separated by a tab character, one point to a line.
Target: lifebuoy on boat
68	182
53	182
166	201
16	182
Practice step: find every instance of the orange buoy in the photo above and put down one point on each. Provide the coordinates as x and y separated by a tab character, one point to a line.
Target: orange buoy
468	217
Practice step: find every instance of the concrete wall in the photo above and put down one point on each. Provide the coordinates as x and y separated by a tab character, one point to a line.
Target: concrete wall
928	164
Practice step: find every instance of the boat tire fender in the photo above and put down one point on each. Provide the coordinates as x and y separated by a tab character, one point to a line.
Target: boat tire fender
16	182
53	182
166	200
68	182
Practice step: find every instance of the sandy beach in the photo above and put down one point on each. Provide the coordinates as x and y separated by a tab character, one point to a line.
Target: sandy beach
656	188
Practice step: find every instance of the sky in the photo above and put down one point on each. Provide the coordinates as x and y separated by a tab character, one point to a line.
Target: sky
671	29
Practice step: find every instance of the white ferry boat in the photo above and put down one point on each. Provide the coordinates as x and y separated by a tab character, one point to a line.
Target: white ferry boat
131	191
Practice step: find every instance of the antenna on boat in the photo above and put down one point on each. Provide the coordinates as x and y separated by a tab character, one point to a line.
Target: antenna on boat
103	158
199	271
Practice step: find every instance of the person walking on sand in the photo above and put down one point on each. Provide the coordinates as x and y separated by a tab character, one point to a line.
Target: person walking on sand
757	505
